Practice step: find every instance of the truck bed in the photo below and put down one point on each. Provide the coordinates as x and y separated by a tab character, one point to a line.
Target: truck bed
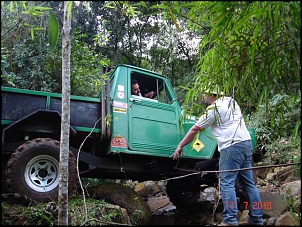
18	103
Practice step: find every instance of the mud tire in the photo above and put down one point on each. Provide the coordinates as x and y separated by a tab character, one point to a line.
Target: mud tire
33	170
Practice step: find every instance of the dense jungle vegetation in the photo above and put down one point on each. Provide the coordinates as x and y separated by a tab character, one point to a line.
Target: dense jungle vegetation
251	50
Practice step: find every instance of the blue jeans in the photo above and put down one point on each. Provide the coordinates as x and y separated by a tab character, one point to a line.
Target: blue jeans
238	156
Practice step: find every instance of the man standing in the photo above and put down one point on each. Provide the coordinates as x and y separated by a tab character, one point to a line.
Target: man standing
224	117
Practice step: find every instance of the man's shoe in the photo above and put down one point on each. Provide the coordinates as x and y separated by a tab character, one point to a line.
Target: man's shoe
225	224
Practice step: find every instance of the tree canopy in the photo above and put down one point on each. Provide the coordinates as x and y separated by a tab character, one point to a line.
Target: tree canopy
250	49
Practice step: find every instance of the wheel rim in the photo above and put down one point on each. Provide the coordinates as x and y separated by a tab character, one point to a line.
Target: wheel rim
42	173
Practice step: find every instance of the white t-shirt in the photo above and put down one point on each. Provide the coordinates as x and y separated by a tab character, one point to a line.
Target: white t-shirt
225	119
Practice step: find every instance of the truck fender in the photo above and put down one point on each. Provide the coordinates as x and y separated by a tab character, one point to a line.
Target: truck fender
44	121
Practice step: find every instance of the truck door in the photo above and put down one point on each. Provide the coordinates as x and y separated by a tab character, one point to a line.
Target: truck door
153	123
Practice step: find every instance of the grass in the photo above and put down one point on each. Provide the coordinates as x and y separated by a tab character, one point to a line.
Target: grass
40	213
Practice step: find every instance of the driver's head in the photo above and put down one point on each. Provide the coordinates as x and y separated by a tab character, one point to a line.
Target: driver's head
134	87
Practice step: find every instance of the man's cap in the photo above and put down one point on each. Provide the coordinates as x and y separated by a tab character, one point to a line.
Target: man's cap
213	90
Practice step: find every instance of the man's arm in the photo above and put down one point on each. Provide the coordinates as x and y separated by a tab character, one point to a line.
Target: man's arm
187	139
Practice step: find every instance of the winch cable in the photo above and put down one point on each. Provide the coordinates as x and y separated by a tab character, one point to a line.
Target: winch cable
221	171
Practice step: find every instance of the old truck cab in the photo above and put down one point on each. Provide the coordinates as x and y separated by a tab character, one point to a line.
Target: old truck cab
150	126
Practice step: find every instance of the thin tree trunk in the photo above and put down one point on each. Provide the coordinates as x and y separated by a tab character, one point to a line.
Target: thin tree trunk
65	121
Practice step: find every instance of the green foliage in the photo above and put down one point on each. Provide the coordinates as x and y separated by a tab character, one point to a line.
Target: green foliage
134	218
91	182
28	67
281	116
7	77
250	49
53	32
39	213
22	13
96	213
277	127
41	218
86	64
293	204
297	167
34	68
27	54
282	150
36	214
27	64
4	205
129	10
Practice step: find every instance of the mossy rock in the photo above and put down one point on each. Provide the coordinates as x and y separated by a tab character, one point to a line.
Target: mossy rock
125	197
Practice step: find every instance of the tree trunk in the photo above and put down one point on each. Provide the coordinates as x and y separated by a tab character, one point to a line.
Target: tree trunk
65	121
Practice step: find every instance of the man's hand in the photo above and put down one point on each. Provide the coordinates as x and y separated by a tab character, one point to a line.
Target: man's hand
149	95
177	153
187	139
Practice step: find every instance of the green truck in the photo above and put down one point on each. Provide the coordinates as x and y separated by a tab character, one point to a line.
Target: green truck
114	136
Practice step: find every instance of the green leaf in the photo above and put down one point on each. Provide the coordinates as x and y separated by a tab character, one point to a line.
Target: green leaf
32	33
257	14
53	32
69	5
42	8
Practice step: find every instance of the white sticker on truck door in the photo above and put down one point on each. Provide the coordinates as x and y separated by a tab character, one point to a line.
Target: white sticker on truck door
120	88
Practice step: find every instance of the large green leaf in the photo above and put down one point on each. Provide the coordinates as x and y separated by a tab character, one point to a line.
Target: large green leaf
53	32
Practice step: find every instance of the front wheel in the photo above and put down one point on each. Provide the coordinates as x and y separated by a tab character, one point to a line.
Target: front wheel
33	170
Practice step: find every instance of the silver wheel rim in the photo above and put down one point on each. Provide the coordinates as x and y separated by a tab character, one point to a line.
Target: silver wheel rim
42	173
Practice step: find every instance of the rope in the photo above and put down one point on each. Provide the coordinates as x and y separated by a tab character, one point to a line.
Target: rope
221	171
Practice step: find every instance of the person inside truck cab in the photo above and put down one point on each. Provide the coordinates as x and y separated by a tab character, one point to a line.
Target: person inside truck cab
136	91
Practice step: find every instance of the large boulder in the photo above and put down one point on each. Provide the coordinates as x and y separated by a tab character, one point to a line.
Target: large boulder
125	197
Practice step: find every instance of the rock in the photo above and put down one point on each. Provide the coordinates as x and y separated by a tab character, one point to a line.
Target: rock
147	188
262	172
156	203
209	194
291	178
292	188
108	209
271	221
125	197
273	204
283	172
270	176
243	216
162	184
297	202
288	219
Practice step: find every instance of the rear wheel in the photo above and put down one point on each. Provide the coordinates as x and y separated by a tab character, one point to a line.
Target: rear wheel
33	170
